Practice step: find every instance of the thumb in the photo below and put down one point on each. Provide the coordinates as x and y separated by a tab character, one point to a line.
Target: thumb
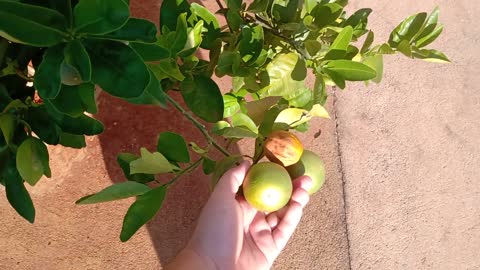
231	181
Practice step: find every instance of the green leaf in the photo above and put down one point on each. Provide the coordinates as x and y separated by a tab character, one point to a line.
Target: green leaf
334	77
251	42
100	16
181	35
242	120
295	116
407	29
286	11
230	105
208	165
31	24
115	192
358	21
141	211
376	63
319	91
299	98
431	56
135	30
170	10
194	39
32	160
234	20
170	68
17	195
153	94
151	163
429	26
223	166
210	24
326	14
428	39
72	140
256	109
350	70
75	100
76	55
43	125
385	49
117	68
47	77
280	72
339	47
203	97
368	42
81	125
150	52
173	147
405	48
312	47
258	6
124	159
8	123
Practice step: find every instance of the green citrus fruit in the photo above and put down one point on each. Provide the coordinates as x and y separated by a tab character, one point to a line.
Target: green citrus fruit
283	147
267	187
311	165
69	75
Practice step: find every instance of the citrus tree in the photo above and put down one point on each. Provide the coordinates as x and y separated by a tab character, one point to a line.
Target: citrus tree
54	53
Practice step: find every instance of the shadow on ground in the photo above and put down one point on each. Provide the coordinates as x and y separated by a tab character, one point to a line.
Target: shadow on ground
130	127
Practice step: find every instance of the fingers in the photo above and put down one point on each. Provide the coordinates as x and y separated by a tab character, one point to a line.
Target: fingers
291	215
233	178
248	212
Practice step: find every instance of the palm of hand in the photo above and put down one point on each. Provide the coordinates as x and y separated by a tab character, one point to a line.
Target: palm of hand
233	235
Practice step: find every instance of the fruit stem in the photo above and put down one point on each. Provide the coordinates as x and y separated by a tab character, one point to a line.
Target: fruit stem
186	170
198	125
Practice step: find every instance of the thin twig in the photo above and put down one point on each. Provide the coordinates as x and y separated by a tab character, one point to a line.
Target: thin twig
198	125
186	170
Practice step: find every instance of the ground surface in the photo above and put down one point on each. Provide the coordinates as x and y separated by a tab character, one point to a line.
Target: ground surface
402	158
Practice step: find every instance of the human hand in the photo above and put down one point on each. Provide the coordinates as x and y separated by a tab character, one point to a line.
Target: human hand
231	234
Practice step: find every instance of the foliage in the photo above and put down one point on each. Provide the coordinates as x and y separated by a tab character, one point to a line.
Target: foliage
51	63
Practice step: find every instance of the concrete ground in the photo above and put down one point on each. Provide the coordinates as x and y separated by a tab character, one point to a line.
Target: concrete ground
402	158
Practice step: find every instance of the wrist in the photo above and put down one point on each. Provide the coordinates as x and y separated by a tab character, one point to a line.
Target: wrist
189	259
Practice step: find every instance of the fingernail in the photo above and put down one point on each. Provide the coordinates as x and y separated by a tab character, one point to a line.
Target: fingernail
308	183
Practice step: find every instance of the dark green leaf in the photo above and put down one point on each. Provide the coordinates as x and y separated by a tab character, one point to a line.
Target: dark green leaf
124	160
339	47
203	97
71	140
30	24
358	21
81	125
8	123
335	78
368	42
299	72
75	100
152	95
210	23
405	48
429	26
151	163
326	14
251	42
47	77
426	40
226	62
258	6
170	11
18	196
181	35
169	67
431	56
208	165
117	68
32	160
234	20
43	124
173	147
141	211
350	70
100	16
385	49
312	46
115	192
407	29
150	52
135	30
76	56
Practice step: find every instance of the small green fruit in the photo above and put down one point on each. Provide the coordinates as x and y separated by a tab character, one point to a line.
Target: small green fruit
310	165
267	187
